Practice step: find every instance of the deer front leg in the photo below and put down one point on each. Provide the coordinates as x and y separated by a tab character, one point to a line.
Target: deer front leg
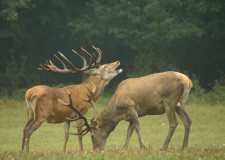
93	103
66	131
172	124
130	130
80	137
136	125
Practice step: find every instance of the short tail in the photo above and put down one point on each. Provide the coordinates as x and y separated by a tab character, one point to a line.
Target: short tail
30	104
187	83
190	84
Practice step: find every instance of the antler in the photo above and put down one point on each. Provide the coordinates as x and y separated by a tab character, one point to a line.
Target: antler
80	116
99	55
49	66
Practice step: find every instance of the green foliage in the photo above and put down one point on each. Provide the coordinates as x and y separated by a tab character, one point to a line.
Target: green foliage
146	63
217	95
198	90
146	36
9	9
200	96
13	75
18	93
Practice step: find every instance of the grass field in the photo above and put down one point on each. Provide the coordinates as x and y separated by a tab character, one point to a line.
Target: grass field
207	137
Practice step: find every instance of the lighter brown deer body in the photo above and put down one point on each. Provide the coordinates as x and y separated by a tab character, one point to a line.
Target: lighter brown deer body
54	112
154	94
43	105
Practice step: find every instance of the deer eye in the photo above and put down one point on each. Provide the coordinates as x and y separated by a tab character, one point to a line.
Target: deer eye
106	66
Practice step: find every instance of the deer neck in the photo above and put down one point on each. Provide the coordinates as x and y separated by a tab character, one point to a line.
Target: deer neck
106	123
95	85
110	117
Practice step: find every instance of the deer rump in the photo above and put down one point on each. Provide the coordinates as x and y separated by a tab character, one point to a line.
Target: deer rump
52	112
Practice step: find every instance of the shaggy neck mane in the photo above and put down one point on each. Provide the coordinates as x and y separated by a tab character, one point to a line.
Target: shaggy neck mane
110	117
95	82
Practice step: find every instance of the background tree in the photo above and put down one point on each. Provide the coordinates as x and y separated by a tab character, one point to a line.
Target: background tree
147	36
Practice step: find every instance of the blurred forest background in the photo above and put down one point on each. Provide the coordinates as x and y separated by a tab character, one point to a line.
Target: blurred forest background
146	36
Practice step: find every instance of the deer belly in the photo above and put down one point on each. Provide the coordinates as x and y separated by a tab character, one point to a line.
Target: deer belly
156	111
151	110
159	109
60	118
54	119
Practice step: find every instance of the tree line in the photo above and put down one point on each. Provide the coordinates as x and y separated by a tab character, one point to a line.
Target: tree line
147	36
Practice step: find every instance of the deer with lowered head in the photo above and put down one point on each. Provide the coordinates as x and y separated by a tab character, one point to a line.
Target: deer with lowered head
42	101
153	94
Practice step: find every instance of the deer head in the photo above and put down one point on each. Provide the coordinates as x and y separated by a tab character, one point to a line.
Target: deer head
98	137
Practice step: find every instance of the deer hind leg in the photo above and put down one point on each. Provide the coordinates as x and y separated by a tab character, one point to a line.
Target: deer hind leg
35	124
66	131
23	140
130	130
172	124
136	125
180	110
29	121
187	124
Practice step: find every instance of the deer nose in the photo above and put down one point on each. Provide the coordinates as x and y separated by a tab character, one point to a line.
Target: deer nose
117	62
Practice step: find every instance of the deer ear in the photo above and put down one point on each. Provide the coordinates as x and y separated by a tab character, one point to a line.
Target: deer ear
92	71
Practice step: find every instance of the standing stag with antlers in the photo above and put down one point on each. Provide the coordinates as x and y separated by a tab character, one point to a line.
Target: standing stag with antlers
42	101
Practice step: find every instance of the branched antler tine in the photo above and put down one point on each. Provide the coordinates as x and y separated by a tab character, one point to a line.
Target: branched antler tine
82	125
83	132
47	62
64	66
72	119
70	105
84	60
87	52
51	65
92	57
99	55
63	103
53	68
44	66
70	100
85	66
64	57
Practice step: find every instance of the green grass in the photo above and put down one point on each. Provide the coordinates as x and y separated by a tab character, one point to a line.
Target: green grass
207	137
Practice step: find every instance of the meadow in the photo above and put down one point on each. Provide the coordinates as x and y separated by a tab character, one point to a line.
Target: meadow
207	136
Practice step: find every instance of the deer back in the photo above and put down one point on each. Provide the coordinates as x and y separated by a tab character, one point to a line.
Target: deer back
146	93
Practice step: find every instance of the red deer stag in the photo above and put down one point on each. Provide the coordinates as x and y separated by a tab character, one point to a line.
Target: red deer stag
42	101
154	94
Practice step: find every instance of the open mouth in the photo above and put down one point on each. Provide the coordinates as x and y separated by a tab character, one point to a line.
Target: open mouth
117	65
119	70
